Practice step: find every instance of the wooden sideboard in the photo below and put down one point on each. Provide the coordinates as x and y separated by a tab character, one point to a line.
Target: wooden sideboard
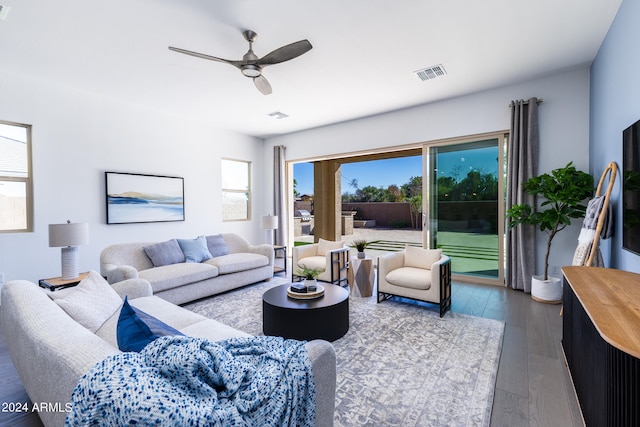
601	341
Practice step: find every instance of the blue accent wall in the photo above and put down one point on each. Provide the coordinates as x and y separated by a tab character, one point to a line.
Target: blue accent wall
614	105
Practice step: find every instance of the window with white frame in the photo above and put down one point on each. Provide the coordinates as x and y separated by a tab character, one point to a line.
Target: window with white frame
16	195
236	190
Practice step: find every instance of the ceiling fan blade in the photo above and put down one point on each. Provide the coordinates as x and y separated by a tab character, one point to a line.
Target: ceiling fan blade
285	53
262	84
203	56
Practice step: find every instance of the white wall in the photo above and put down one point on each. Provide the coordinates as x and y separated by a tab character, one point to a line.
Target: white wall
78	136
564	131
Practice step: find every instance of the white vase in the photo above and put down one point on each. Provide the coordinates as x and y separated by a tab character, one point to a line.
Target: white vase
310	282
361	255
548	291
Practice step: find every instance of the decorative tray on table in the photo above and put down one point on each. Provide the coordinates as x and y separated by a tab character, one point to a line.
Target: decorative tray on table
306	295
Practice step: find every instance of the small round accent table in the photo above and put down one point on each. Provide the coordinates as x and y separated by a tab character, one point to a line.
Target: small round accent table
324	318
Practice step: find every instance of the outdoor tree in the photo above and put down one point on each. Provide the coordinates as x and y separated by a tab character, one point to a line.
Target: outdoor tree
393	194
413	187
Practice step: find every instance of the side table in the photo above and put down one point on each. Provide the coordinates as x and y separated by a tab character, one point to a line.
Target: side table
276	268
361	277
55	283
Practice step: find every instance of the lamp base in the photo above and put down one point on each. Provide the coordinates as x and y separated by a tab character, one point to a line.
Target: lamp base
69	262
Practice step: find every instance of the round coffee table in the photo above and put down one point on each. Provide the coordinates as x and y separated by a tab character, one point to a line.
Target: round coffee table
324	318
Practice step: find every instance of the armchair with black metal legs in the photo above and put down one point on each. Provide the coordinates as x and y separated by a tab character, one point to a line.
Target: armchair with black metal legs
329	258
416	273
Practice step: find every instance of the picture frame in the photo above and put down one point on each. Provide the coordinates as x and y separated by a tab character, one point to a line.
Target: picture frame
138	198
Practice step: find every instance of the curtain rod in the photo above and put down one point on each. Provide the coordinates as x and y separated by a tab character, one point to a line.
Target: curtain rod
540	100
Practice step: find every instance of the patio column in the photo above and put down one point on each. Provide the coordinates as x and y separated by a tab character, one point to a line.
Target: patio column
327	200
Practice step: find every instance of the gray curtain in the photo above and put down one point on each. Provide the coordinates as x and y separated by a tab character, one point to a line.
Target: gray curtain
279	193
522	164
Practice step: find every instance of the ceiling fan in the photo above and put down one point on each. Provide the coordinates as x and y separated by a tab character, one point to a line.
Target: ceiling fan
251	66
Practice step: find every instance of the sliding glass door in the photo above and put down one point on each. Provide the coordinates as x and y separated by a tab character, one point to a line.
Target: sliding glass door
463	205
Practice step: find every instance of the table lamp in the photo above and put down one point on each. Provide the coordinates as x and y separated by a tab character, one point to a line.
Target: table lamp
69	236
270	223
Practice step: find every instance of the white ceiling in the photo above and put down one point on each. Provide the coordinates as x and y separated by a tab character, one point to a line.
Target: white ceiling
362	62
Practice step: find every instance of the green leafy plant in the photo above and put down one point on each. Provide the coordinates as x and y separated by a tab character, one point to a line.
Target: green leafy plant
308	273
564	190
360	245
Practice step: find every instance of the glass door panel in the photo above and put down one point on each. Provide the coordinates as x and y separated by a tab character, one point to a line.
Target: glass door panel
463	205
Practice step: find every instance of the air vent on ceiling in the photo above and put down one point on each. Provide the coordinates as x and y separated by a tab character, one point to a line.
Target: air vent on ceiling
278	115
3	12
430	72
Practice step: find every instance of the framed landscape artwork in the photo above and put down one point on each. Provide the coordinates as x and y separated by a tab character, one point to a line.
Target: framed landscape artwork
134	198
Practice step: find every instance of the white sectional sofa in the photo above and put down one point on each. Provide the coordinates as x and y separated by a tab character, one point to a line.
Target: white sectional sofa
235	263
51	351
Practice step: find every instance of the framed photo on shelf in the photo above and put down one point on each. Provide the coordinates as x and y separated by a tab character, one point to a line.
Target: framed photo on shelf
135	198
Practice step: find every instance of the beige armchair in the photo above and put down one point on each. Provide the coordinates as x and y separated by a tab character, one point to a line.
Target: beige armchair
328	257
416	273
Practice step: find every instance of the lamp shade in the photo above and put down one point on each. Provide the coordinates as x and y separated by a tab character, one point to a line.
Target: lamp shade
69	234
270	222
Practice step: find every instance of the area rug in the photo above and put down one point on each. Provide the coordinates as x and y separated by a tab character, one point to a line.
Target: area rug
400	364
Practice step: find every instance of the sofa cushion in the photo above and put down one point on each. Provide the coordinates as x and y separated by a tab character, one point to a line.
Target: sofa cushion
318	263
213	330
325	246
421	258
164	253
175	275
410	277
217	245
90	303
136	328
233	263
195	250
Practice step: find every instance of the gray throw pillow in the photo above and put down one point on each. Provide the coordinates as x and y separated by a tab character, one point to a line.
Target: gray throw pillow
217	246
165	253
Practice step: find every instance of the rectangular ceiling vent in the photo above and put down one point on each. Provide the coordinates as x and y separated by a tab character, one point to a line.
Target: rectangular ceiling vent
278	115
431	72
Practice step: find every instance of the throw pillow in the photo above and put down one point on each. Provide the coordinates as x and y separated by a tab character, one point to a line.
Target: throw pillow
164	253
217	246
91	302
421	258
325	246
136	328
195	250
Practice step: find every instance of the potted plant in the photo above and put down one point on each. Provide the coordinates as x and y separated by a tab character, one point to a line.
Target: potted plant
310	275
564	190
360	245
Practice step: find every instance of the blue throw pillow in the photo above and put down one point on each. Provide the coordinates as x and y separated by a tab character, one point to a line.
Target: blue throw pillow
195	250
137	328
217	246
164	253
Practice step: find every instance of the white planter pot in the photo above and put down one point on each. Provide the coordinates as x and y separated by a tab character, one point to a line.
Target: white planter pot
548	291
310	282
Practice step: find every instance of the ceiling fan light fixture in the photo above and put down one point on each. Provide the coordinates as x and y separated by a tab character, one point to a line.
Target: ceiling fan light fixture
251	70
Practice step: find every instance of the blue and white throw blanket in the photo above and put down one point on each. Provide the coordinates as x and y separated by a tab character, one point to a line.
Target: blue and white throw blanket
186	381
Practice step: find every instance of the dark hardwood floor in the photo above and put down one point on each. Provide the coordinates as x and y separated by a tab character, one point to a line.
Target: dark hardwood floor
533	387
